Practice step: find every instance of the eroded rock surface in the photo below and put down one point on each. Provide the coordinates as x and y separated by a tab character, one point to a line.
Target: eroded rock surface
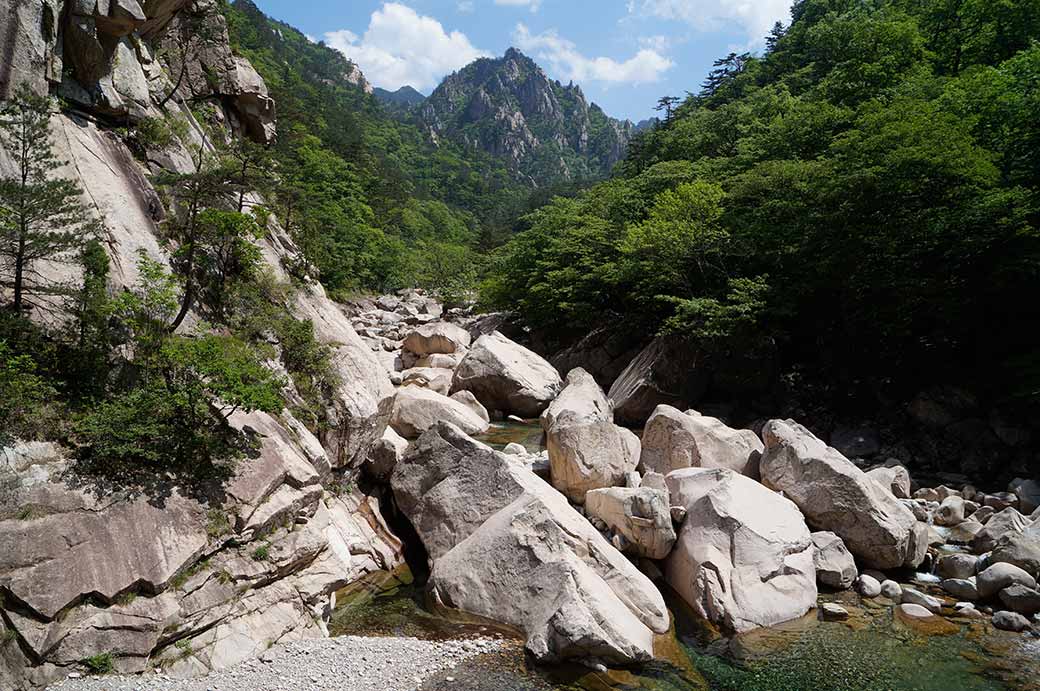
502	540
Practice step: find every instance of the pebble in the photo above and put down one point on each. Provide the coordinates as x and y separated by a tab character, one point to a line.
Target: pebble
350	663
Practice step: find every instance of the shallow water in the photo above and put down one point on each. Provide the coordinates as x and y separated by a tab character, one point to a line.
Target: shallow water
874	650
502	433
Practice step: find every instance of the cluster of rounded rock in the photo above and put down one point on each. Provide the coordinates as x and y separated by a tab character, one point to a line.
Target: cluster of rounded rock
989	556
721	514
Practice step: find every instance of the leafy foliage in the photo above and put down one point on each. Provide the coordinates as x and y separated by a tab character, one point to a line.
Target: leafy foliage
864	194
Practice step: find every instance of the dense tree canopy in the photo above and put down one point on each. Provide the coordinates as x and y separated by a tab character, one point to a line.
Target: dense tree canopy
864	194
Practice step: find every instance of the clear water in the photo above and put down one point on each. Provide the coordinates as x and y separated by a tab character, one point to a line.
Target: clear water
502	433
875	650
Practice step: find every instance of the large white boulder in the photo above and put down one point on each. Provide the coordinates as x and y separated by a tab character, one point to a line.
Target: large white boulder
744	557
417	409
587	450
894	478
674	440
508	547
507	377
437	338
641	515
837	496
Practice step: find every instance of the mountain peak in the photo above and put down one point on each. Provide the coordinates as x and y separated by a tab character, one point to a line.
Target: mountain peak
510	108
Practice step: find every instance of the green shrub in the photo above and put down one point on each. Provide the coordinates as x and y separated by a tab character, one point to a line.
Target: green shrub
102	663
262	552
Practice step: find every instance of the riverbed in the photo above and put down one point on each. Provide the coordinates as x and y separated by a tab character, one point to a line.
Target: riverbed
874	650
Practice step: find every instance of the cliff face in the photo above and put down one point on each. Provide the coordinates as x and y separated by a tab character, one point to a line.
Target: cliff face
510	108
170	580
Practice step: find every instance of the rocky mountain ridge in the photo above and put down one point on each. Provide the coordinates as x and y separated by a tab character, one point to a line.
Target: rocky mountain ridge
510	108
406	97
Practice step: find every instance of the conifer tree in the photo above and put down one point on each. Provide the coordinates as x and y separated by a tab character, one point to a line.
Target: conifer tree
41	216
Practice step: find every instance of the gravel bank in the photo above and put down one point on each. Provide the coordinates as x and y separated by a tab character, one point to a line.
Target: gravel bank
349	663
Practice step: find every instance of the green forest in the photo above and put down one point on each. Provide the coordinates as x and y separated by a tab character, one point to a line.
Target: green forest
861	199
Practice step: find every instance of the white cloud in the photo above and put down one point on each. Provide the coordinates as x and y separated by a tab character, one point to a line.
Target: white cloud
465	6
755	17
532	4
566	62
403	47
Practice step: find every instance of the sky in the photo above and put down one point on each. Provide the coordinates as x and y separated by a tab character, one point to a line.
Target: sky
625	54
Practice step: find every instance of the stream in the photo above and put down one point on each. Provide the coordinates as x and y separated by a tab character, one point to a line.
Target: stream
875	649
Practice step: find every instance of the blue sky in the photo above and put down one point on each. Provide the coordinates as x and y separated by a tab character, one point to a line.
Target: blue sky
625	53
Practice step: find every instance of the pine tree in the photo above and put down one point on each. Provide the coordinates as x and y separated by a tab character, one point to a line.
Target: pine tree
41	216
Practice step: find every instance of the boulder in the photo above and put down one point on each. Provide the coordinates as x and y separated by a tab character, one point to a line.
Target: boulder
992	580
437	338
830	611
1019	598
983	514
914	611
432	378
837	496
912	596
385	454
664	372
674	440
868	586
957	566
1021	549
514	449
892	590
641	515
964	532
470	401
1028	493
507	377
417	409
951	511
894	478
1004	523
744	556
1010	621
835	567
961	588
508	547
587	450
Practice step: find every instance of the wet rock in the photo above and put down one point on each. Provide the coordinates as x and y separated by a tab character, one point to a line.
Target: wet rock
999	576
915	611
508	547
913	596
640	515
506	376
1010	621
514	449
835	566
744	557
868	586
837	496
1019	598
830	611
674	440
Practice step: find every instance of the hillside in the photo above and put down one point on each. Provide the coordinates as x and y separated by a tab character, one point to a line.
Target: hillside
847	223
544	130
414	207
405	98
